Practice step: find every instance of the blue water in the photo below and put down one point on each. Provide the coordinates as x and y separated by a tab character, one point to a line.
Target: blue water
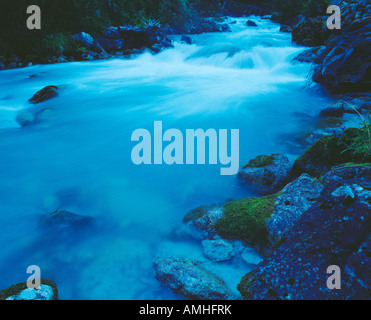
78	157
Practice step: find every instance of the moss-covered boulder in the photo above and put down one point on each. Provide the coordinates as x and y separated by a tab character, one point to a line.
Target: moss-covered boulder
353	145
48	291
267	173
247	220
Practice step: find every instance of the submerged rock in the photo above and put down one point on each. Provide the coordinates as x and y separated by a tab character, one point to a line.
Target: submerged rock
220	249
202	221
334	231
191	280
47	93
63	218
48	291
267	173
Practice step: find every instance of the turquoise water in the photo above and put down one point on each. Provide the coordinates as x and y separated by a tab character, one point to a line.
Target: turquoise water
79	157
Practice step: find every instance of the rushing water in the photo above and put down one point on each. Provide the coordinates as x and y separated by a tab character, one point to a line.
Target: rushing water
78	157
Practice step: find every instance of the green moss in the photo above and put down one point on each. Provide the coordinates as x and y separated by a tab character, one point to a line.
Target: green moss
17	288
244	285
351	146
260	162
246	219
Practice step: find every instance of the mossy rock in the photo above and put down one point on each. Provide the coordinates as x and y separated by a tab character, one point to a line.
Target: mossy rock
351	146
19	287
260	162
246	220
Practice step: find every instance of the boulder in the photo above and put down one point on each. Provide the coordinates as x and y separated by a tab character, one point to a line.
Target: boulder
309	55
30	116
46	93
85	38
296	198
251	23
187	39
191	280
63	219
311	32
347	172
48	291
267	173
260	222
111	45
202	221
334	231
346	63
285	28
333	150
218	250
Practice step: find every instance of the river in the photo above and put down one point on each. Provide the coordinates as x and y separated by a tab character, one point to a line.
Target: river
78	157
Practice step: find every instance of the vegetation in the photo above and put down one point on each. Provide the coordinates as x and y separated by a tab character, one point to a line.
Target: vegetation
246	219
62	18
260	162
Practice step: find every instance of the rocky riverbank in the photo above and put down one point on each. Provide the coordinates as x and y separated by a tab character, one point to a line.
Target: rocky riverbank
315	213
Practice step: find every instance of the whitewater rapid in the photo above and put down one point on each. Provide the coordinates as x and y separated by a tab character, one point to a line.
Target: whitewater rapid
78	157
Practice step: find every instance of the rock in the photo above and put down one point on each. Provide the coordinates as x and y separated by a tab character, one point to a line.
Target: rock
311	32
285	28
202	221
333	150
347	172
346	62
63	219
251	23
191	280
251	257
218	250
111	45
320	133
334	231
332	112
187	39
25	118
48	291
47	93
296	198
267	173
246	220
112	33
85	38
30	116
309	55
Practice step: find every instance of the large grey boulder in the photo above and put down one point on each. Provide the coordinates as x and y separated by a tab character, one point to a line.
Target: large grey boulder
296	198
191	280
